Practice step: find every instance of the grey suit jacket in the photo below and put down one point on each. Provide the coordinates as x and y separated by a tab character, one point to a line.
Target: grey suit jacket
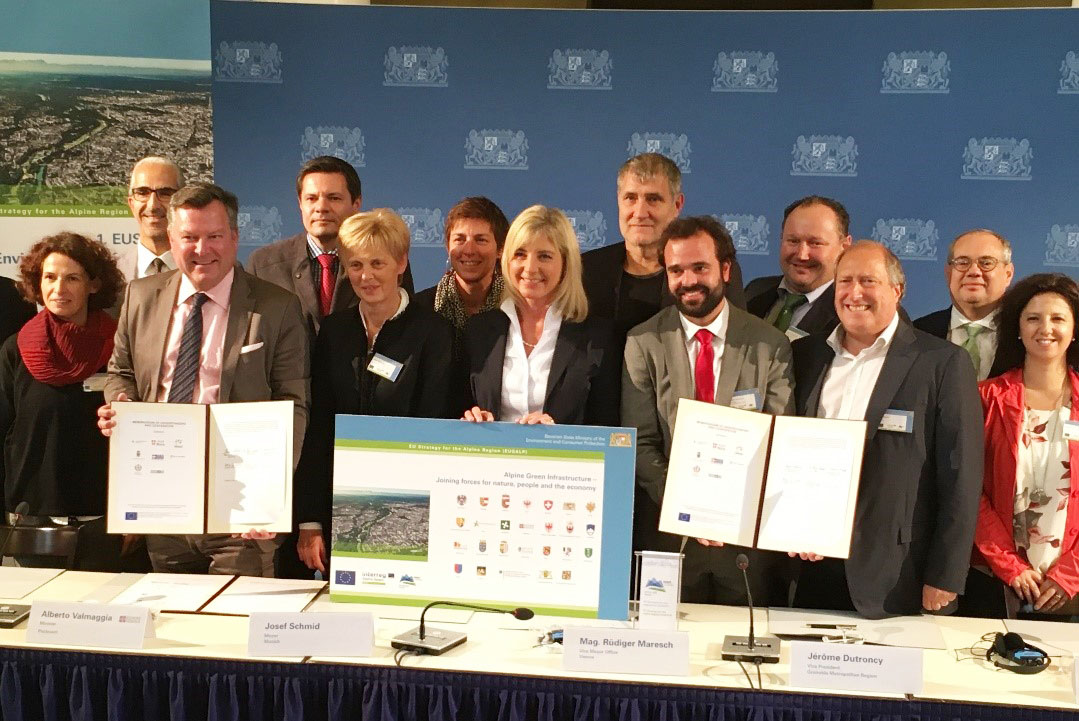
287	263
259	312
657	374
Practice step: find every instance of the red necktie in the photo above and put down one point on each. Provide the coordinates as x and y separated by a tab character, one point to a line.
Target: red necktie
325	291
702	374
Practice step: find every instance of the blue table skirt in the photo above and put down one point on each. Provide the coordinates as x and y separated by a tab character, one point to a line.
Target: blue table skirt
61	685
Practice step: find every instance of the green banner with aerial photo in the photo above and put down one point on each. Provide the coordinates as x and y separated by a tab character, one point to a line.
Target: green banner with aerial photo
86	89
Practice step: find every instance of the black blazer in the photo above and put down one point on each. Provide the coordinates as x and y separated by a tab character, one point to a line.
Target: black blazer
14	310
762	294
918	496
340	383
938	323
584	386
602	268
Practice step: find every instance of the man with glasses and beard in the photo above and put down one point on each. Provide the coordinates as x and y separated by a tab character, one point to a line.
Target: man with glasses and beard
706	349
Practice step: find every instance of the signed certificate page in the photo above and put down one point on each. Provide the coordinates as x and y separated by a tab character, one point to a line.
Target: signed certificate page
250	482
714	476
812	485
157	468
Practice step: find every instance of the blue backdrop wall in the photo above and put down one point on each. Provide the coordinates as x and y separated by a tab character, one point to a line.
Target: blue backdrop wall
923	124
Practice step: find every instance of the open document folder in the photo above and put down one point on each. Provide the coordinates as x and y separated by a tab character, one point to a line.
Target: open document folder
780	483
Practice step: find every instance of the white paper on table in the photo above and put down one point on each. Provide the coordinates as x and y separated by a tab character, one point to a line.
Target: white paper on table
1053	637
157	462
912	631
251	594
715	472
250	475
172	591
812	485
17	582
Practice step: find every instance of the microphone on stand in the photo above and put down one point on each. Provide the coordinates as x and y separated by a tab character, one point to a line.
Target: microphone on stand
20	511
749	648
435	642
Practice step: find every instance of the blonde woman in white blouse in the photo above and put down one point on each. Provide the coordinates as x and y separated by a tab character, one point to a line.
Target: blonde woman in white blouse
539	357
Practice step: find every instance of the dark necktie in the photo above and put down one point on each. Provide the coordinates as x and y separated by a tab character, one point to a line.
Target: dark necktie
784	310
156	266
703	376
186	373
326	284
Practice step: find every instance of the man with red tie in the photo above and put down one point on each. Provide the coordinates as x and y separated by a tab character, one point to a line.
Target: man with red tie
328	190
703	348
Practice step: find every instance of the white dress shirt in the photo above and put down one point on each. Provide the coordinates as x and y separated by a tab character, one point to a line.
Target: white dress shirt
145	257
986	340
811	298
524	376
852	378
718	327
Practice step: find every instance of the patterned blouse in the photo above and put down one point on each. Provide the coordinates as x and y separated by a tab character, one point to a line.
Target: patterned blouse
1042	486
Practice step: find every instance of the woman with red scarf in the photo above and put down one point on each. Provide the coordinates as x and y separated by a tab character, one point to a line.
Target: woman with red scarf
51	380
1028	522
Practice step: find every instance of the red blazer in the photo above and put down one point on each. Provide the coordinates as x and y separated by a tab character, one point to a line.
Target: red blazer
1002	401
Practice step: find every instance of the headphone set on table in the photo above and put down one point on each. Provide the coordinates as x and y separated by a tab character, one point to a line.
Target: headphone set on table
1011	652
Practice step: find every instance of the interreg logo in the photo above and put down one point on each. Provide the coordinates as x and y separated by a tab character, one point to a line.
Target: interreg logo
674	146
997	159
831	155
915	72
496	150
908	238
590	227
248	62
579	70
1062	246
1069	74
745	72
258	224
425	229
416	67
344	143
749	233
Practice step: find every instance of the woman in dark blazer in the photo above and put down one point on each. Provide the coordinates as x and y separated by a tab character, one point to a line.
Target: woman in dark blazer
540	358
384	357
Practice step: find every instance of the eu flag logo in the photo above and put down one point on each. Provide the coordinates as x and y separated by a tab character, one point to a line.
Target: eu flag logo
131	515
345	578
683	516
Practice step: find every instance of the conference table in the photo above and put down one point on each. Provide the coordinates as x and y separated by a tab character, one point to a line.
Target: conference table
197	667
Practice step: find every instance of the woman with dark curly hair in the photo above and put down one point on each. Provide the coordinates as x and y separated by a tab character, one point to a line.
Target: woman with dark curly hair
51	380
1028	521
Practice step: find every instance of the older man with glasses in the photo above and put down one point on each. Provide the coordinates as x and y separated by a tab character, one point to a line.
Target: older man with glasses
979	270
154	180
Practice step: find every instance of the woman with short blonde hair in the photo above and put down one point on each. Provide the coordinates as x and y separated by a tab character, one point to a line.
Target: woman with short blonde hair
540	358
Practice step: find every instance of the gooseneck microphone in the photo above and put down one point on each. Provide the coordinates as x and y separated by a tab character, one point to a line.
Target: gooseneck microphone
749	648
20	510
435	642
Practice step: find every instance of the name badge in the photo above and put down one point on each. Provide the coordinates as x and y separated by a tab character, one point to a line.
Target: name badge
95	383
1071	430
385	367
897	421
748	400
310	634
881	669
62	623
625	650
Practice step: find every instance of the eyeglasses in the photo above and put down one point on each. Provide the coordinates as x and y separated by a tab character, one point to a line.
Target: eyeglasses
144	193
985	263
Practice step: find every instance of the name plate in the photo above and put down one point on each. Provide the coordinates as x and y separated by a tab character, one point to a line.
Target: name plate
61	623
310	634
884	669
626	650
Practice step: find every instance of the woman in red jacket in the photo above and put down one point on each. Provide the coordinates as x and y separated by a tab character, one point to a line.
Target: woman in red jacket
1028	522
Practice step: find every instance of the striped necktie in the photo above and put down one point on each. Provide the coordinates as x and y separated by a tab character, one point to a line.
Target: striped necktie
186	373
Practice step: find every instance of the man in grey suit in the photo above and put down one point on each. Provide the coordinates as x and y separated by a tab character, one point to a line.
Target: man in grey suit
328	190
702	348
209	333
922	467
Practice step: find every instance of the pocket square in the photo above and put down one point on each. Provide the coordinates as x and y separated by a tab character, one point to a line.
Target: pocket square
252	347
